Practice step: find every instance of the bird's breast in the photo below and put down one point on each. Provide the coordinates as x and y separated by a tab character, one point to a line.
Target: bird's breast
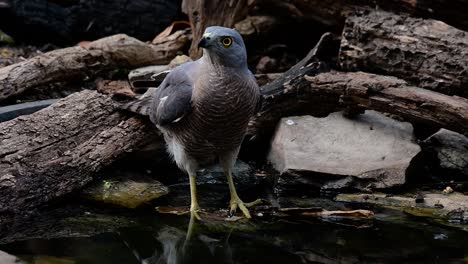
221	112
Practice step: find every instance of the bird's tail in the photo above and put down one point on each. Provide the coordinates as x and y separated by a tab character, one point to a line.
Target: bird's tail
142	105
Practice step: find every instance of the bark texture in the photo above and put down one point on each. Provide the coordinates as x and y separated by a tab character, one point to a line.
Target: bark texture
427	53
118	51
205	13
59	149
334	12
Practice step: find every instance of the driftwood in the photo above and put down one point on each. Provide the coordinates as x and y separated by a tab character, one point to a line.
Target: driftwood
204	13
427	53
118	51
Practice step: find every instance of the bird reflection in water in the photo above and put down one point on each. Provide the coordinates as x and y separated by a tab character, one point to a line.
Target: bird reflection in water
179	247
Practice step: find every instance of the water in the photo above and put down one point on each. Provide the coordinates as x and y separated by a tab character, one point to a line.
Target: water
90	235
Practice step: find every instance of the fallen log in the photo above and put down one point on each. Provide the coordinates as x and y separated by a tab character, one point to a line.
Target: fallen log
118	51
59	149
333	12
321	94
427	53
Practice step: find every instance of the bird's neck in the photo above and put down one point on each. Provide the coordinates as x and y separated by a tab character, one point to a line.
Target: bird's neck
218	64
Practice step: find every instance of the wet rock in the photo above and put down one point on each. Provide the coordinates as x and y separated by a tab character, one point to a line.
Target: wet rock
126	192
369	152
6	258
13	111
450	149
5	39
69	220
451	207
212	187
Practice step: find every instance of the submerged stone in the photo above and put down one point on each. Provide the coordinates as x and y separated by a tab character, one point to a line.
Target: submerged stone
126	192
452	207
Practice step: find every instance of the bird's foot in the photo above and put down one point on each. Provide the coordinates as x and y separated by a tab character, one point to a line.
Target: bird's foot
236	202
194	210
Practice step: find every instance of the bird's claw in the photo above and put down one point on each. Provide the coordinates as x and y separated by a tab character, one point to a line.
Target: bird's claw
194	210
237	203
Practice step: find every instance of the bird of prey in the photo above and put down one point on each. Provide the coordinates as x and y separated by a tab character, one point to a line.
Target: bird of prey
203	109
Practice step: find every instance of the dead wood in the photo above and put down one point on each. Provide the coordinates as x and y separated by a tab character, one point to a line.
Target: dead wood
79	62
320	94
59	149
333	12
427	53
205	13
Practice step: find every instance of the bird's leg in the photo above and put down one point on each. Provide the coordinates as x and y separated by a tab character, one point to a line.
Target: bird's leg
194	208
236	202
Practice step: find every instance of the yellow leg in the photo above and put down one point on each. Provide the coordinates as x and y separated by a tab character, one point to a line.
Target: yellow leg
194	208
236	201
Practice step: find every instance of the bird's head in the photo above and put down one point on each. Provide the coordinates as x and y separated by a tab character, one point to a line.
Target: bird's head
224	46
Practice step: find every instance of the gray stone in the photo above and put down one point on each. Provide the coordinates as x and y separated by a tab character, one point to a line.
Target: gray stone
451	150
149	76
125	192
6	258
370	151
152	76
13	111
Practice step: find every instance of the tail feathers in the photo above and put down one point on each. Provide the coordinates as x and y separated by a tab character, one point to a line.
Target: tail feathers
141	105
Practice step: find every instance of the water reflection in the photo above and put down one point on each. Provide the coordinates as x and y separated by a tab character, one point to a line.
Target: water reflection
390	238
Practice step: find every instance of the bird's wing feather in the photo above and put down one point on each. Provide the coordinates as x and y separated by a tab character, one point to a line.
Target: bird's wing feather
172	100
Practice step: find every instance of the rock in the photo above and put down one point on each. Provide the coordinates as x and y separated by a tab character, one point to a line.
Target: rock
371	151
13	111
149	76
6	258
152	76
178	60
266	64
452	207
450	149
212	187
5	39
126	192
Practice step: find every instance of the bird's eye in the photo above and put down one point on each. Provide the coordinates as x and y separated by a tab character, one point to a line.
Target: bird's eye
226	41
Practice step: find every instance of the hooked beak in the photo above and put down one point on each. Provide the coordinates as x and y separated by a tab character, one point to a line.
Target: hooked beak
203	43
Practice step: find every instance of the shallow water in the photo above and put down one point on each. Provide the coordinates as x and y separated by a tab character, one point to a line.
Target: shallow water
90	236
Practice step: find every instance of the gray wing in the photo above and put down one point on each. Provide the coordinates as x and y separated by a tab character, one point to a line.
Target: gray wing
173	98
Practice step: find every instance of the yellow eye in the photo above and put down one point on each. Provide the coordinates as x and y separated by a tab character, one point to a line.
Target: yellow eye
227	41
